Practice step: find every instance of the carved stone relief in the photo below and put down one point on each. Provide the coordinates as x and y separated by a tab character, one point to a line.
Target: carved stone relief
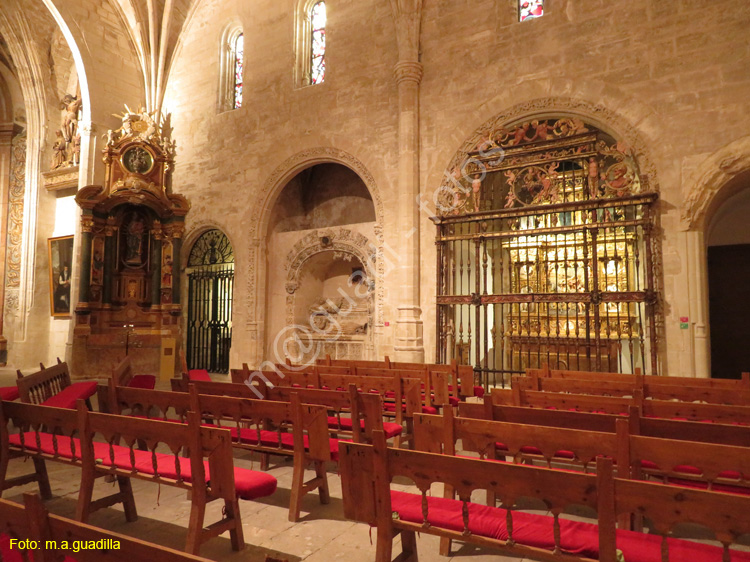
16	194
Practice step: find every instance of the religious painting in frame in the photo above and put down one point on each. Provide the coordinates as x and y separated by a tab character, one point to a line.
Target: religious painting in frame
60	252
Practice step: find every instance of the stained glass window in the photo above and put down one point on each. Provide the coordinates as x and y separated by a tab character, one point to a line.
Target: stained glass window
528	9
238	49
318	46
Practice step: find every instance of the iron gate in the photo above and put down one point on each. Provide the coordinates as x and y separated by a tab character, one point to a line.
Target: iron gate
546	255
210	289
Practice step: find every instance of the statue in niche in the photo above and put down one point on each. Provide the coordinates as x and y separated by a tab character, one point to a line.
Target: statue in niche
333	317
58	155
134	238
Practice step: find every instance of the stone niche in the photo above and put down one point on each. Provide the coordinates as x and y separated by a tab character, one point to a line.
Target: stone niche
321	299
131	236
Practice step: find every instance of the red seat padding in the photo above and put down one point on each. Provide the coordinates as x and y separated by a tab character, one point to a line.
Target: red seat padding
479	391
68	396
9	393
389	428
147	382
249	484
390	407
249	435
537	531
198	375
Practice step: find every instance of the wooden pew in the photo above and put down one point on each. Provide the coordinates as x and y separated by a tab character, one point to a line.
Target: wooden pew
367	472
208	473
242	415
660	391
716	413
290	429
545	371
51	386
725	434
32	521
400	395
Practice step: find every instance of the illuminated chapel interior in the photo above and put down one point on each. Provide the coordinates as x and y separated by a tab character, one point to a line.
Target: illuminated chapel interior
507	185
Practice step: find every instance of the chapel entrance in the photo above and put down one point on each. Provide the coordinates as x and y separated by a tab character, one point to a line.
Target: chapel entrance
210	272
546	254
728	242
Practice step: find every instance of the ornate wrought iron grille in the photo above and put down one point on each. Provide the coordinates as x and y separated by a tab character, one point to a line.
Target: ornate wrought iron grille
210	287
545	255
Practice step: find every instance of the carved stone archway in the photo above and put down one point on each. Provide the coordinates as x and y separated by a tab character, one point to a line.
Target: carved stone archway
256	268
342	242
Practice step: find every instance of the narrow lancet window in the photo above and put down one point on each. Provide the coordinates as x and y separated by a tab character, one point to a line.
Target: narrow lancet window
318	43
238	49
528	9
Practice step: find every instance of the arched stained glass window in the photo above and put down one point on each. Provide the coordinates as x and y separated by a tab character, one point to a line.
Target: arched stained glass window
238	50
528	9
318	43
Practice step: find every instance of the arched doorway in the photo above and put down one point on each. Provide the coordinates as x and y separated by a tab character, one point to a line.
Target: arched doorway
728	241
210	272
321	272
546	253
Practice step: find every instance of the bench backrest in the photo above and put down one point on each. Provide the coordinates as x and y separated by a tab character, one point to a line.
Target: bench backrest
743	382
661	391
439	434
44	384
32	521
719	433
253	417
560	401
367	472
153	404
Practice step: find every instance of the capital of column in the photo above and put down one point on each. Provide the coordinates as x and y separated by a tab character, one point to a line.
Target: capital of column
87	224
408	71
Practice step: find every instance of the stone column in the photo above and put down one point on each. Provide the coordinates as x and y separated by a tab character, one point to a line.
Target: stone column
156	257
698	295
87	225
409	345
110	246
7	131
177	232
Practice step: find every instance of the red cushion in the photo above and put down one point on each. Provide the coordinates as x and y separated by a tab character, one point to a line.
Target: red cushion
537	531
142	381
198	375
479	391
249	484
389	428
68	396
249	435
390	407
9	393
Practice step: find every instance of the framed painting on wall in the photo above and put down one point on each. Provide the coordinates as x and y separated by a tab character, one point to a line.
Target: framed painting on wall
60	251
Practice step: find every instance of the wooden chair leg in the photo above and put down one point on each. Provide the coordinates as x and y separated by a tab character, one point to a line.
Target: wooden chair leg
195	527
88	404
384	546
128	501
298	484
264	461
409	546
445	546
236	534
84	498
41	471
320	472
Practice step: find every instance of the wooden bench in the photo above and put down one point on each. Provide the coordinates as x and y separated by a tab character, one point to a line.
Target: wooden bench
400	395
290	429
545	371
92	441
343	406
51	386
683	392
59	536
277	423
464	373
726	434
367	472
